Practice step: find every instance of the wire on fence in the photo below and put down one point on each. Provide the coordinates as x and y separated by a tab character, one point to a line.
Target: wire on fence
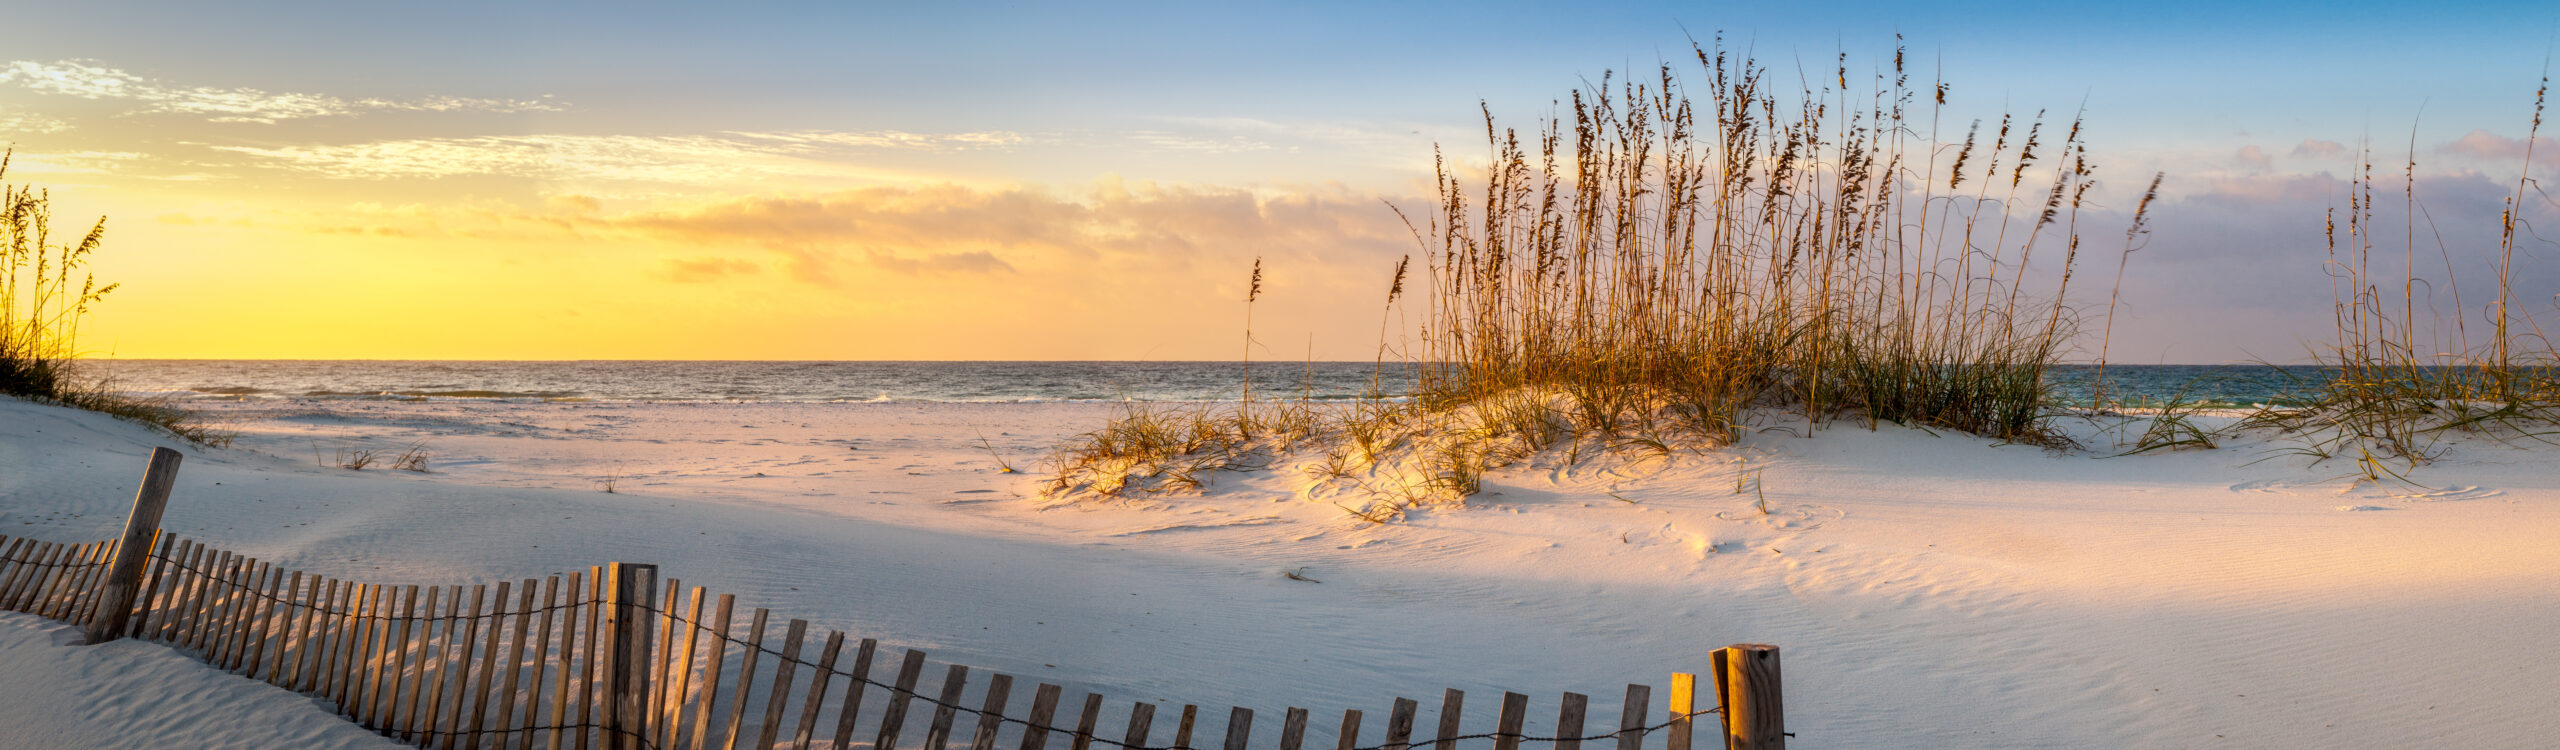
431	734
782	657
910	694
352	613
42	564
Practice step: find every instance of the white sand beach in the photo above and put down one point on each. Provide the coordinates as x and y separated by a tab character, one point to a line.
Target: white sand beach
1928	590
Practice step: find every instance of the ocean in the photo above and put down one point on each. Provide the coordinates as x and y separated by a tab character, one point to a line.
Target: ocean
755	381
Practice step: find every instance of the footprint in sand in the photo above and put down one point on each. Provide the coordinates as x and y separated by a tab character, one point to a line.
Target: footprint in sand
2444	494
2291	487
2367	491
1799	518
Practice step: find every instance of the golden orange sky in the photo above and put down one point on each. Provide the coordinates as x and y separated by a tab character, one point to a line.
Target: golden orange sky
936	271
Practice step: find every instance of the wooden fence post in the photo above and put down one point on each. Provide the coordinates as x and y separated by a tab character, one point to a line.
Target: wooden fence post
124	578
1747	682
628	605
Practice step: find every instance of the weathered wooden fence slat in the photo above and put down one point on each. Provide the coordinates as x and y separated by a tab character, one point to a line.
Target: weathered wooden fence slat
1293	728
746	680
719	637
937	735
10	565
451	725
1087	721
991	713
404	723
1631	723
48	564
817	701
541	664
779	697
256	660
1515	712
1044	706
1569	721
58	555
661	666
21	560
568	652
85	588
262	597
588	688
1142	719
1451	703
1400	724
47	599
679	685
894	718
39	558
1239	728
201	601
853	693
507	696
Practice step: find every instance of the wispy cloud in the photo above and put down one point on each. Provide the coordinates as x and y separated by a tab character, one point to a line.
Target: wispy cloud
2314	147
886	139
2253	157
73	78
673	159
75	162
31	123
2482	144
1179	142
702	270
978	261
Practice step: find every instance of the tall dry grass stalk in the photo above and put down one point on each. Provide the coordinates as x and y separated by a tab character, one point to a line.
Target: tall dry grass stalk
1670	264
2396	383
45	292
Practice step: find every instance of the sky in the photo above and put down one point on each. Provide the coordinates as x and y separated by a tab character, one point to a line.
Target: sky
980	181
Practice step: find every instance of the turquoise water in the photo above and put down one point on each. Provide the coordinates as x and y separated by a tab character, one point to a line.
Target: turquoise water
2220	385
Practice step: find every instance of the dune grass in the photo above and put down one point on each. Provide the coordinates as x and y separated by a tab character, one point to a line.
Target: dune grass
1647	272
2401	377
45	291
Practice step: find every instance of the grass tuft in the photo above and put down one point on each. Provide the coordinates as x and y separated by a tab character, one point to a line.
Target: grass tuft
45	292
2400	379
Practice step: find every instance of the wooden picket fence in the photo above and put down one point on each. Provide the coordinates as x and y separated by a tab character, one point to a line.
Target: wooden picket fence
612	658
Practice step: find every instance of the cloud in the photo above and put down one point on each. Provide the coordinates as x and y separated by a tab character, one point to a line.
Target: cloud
2482	144
700	270
1176	142
979	261
887	139
2313	147
2252	157
684	159
76	162
573	204
30	123
2269	189
72	78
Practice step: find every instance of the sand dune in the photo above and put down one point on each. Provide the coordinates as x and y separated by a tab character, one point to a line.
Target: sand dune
1929	590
